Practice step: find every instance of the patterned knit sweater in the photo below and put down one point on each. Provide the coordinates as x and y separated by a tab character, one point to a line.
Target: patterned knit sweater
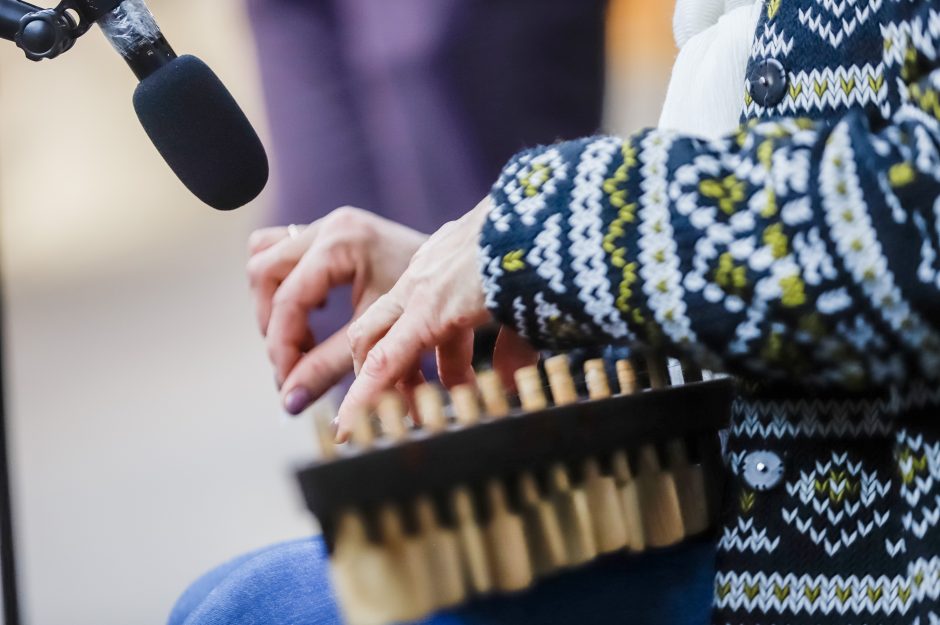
801	255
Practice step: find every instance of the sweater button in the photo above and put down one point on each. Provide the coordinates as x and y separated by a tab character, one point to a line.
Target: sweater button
767	82
762	470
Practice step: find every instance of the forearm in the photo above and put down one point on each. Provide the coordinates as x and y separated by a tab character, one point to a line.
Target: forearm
788	251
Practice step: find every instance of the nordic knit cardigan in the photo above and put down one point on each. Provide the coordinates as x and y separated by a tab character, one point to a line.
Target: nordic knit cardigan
799	254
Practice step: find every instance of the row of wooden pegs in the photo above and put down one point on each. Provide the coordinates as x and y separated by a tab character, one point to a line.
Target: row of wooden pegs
397	563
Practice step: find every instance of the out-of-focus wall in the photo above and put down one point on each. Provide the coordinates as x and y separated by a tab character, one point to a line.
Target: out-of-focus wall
146	436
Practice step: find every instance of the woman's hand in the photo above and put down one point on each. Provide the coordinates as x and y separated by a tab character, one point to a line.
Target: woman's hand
436	304
292	276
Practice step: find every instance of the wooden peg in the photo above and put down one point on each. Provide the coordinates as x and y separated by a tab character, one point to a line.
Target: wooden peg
661	509
542	528
506	541
391	411
443	553
529	385
626	377
558	370
430	406
629	500
478	570
658	371
659	501
494	395
475	560
595	377
574	516
323	425
466	405
690	487
570	503
610	529
369	588
410	561
363	433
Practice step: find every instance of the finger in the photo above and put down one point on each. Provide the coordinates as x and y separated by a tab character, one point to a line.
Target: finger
268	269
307	286
455	359
260	240
407	388
317	372
308	343
511	353
387	363
373	324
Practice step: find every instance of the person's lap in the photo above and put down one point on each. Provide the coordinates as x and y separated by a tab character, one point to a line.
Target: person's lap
288	584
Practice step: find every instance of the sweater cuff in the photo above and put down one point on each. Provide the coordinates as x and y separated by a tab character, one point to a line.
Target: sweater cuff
523	254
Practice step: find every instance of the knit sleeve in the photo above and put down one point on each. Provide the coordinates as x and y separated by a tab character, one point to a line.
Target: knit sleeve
792	250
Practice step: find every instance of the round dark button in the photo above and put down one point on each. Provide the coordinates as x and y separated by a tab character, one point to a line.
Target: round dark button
768	82
762	470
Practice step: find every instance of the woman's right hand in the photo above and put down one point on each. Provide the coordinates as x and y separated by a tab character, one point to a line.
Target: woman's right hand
291	276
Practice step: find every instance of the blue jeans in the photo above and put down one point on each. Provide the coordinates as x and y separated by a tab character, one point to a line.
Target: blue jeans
288	584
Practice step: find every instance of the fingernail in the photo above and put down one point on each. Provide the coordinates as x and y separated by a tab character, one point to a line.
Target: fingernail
298	400
334	425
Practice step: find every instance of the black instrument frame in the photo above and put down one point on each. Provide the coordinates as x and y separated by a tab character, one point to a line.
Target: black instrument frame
398	471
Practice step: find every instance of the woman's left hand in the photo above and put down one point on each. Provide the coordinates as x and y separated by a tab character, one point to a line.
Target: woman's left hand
436	304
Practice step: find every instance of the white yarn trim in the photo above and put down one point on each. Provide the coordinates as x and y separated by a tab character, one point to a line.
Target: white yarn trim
706	92
694	16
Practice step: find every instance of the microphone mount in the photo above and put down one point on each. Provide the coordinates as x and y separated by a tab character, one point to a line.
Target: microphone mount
47	33
41	34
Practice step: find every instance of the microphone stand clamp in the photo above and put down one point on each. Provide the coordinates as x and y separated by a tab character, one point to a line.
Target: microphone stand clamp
47	33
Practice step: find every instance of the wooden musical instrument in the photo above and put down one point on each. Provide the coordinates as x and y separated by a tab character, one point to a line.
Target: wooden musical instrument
484	497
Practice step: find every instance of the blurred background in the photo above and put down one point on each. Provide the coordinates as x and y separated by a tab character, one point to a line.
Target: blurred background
146	436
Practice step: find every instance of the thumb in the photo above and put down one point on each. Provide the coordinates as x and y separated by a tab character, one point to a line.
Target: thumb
512	352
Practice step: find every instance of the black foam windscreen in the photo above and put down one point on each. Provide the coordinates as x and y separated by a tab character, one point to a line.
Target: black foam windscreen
202	133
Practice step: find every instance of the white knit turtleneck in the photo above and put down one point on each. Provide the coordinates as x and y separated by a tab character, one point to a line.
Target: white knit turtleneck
706	92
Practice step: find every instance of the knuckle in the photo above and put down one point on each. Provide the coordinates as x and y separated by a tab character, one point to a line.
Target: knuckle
376	362
421	290
354	336
449	226
255	241
282	297
314	371
272	351
334	249
353	224
262	237
430	331
255	267
346	216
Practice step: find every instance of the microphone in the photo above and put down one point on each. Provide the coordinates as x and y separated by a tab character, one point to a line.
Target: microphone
189	115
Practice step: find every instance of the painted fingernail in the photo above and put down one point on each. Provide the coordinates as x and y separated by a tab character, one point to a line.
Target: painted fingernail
298	400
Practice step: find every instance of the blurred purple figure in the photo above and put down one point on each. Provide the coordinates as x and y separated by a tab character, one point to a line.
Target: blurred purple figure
410	108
